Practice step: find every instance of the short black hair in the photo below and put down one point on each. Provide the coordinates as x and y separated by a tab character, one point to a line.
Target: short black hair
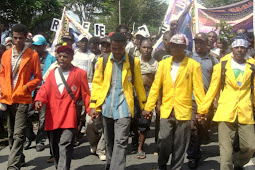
20	28
118	37
122	26
94	40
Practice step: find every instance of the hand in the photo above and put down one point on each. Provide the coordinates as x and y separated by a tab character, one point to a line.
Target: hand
201	118
38	105
147	114
93	113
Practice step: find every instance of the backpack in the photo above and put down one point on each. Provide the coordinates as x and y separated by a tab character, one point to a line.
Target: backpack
131	62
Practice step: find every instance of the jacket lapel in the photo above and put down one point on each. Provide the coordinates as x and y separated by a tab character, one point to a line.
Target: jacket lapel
24	60
168	69
230	74
247	73
125	67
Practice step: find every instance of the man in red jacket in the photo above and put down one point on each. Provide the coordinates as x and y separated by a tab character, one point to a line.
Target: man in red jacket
61	116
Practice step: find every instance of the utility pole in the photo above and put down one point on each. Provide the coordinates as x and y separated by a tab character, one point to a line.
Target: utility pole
119	13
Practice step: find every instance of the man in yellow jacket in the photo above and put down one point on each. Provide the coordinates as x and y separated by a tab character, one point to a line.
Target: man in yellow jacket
112	90
235	107
178	77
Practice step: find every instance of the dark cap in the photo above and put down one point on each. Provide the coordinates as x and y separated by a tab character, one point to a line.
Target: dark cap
201	36
68	35
105	40
65	49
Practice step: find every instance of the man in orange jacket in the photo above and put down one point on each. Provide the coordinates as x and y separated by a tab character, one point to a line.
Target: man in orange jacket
19	63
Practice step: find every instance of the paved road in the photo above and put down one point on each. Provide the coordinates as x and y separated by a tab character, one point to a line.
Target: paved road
83	160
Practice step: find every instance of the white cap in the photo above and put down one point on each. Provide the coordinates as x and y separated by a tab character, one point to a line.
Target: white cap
82	36
142	33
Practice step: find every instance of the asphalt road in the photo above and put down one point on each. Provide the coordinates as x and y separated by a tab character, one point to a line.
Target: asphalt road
83	160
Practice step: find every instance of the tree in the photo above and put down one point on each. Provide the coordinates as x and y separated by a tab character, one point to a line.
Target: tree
217	3
149	12
35	14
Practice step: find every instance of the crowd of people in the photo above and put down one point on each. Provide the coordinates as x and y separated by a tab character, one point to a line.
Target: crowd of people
110	89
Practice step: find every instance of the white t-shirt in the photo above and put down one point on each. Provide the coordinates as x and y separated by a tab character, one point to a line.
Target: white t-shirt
83	60
59	81
174	71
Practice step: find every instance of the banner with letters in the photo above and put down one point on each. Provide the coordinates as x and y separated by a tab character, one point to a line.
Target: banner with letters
238	15
67	24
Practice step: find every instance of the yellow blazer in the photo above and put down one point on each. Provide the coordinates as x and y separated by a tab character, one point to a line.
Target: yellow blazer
101	83
177	95
234	100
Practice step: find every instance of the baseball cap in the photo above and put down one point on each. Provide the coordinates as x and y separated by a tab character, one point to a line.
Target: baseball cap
201	36
179	39
68	35
142	33
82	36
105	40
39	40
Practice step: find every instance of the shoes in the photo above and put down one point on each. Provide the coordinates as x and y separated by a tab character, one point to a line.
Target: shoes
50	160
39	148
77	142
93	150
27	144
238	168
192	163
22	161
102	157
162	167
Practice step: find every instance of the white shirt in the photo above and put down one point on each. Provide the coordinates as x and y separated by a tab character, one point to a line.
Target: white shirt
59	81
174	70
237	66
83	60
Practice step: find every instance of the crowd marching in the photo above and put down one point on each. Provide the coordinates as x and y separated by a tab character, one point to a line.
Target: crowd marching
110	88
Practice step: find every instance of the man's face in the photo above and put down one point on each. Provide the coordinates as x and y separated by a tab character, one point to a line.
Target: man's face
40	49
118	49
123	30
64	60
177	49
212	37
201	46
93	48
138	40
83	44
166	39
105	48
146	49
239	53
18	39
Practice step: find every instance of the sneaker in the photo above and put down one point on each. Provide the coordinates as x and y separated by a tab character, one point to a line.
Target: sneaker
39	148
93	150
102	157
27	144
192	163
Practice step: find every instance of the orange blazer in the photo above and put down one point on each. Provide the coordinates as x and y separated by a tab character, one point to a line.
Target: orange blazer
29	66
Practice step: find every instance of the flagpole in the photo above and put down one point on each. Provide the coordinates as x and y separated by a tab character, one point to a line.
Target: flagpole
57	34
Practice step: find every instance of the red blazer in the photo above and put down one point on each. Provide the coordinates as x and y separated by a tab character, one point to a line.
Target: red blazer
29	65
60	108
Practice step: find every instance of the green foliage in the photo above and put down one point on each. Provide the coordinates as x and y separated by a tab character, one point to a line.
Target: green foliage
37	15
224	31
217	3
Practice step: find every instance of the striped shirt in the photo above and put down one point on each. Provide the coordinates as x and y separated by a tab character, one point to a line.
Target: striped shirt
15	61
115	104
